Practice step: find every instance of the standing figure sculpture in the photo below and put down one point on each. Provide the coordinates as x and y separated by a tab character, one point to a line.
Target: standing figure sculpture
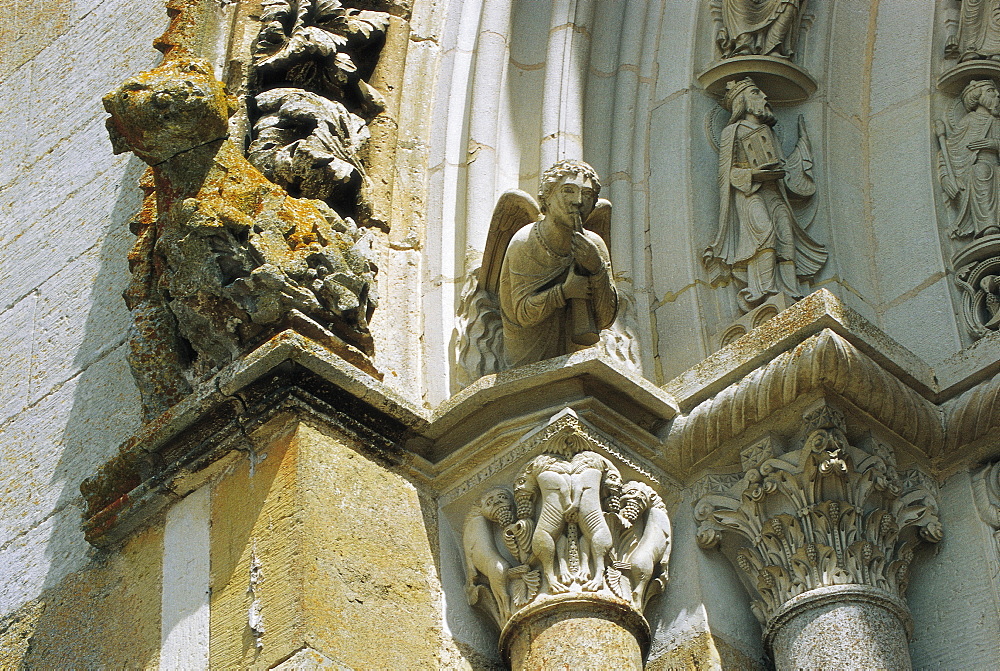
759	243
978	36
758	27
968	164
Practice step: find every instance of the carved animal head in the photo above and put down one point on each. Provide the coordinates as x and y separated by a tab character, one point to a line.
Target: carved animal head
176	107
638	497
497	505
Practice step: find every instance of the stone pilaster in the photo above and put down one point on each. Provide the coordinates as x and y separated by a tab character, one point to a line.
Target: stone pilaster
823	536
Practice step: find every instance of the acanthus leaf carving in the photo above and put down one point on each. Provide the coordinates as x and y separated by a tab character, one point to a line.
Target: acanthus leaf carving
826	361
827	513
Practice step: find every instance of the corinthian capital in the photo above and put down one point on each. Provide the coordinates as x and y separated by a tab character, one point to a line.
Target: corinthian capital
827	513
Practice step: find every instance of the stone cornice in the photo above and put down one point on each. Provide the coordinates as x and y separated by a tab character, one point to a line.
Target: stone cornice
824	362
818	347
974	416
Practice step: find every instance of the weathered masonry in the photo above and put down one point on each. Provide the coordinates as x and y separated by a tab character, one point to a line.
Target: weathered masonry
530	334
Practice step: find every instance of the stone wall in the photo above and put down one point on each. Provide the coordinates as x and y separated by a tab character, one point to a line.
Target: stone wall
293	503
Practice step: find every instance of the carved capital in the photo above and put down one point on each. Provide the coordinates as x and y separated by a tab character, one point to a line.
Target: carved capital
568	526
827	513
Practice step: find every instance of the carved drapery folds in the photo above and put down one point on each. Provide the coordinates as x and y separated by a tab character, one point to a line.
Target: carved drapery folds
756	27
759	243
568	525
969	174
312	104
546	286
225	259
978	35
762	39
828	513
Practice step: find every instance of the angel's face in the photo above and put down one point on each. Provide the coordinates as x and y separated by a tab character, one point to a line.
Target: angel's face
574	196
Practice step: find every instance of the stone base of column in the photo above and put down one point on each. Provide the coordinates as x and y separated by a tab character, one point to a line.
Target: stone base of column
575	631
840	626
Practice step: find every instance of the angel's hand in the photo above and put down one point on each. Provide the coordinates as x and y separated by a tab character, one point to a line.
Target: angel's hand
586	254
576	286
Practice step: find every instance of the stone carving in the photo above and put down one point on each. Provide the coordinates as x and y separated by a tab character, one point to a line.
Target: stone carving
986	490
828	513
974	416
760	243
225	259
968	161
978	36
977	274
825	362
570	525
313	102
546	272
646	553
757	27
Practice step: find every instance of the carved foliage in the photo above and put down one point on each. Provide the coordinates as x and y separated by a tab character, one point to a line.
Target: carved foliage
828	513
568	524
824	361
312	101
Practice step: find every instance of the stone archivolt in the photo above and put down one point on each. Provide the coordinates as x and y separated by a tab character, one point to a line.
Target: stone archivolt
827	513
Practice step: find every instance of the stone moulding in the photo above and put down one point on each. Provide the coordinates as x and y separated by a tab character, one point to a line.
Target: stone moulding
974	416
815	348
288	374
825	362
785	82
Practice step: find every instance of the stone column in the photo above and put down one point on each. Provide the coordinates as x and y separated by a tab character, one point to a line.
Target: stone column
576	631
824	535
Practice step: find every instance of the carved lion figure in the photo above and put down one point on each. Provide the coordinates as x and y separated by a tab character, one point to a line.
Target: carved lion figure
482	559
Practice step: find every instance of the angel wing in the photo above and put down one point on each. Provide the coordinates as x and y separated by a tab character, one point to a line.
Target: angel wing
799	165
514	210
599	221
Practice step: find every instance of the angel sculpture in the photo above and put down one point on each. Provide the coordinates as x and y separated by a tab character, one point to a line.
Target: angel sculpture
546	270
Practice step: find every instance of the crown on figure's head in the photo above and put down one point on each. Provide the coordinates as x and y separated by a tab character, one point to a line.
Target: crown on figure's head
971	91
735	88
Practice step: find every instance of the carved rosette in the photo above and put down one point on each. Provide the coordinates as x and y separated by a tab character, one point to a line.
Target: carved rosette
829	513
568	532
977	274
